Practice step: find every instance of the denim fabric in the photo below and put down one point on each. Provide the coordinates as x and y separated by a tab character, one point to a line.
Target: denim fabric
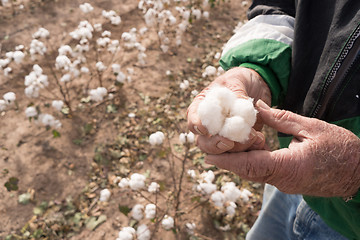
288	217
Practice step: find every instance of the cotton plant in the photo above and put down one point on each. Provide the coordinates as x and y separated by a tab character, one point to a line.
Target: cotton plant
111	15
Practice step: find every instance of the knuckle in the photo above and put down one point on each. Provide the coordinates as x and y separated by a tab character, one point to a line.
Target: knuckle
283	115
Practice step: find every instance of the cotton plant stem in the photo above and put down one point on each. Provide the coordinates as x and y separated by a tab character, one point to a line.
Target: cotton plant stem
63	93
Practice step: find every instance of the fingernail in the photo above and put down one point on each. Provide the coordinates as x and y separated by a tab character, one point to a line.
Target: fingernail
198	130
261	104
223	146
259	139
253	133
209	161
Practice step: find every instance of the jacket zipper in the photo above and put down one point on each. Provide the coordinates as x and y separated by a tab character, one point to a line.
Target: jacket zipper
340	69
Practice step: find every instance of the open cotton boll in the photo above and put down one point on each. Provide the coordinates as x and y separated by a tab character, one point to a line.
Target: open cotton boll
245	109
208	176
150	211
30	112
221	112
57	104
104	195
167	223
218	199
3	105
231	192
86	7
126	233
206	188
210	113
18	56
231	209
124	182
245	194
137	212
9	97
137	181
115	68
143	232
156	138
153	187
41	33
236	129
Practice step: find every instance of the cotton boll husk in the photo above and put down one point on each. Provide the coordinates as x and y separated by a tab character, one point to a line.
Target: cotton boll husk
210	113
236	129
143	232
137	212
150	211
245	109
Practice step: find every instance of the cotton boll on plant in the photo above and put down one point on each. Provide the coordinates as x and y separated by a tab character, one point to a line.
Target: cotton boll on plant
126	233
167	223
221	112
153	187
156	138
137	212
57	104
9	98
104	195
137	181
143	232
150	211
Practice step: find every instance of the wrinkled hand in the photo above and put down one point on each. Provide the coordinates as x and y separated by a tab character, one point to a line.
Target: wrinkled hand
321	160
244	83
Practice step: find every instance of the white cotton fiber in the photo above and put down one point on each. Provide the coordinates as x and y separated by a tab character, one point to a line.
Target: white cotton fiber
236	129
221	112
210	113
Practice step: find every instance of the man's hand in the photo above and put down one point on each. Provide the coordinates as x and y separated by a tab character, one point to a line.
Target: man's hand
244	83
321	160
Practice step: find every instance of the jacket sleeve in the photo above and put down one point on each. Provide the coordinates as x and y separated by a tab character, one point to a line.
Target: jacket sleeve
264	44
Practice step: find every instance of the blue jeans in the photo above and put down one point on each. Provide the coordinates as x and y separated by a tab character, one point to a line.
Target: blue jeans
288	217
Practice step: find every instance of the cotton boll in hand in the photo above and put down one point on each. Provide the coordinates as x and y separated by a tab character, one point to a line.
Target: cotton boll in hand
221	112
210	113
236	129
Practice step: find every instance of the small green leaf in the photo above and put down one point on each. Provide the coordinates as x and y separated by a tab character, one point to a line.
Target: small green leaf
56	134
124	209
77	141
12	184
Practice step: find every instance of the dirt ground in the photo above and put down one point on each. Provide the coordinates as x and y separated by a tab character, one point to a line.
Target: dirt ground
55	169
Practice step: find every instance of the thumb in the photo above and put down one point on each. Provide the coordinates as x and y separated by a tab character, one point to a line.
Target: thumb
283	121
